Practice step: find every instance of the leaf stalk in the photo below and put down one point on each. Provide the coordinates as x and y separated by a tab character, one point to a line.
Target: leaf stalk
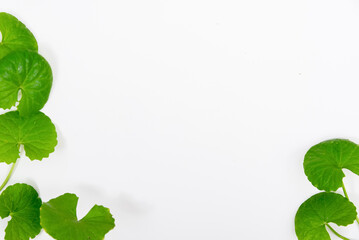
336	233
346	195
8	176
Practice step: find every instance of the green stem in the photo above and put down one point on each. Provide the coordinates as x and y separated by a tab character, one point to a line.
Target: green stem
346	195
345	191
8	176
335	232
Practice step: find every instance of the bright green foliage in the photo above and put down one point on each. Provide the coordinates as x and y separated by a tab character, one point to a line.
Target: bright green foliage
319	210
22	203
324	162
58	218
15	36
29	73
25	83
37	133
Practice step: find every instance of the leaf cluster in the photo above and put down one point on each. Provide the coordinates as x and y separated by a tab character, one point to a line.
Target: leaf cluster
25	85
323	165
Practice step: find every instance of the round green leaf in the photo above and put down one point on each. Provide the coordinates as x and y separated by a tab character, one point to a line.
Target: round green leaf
15	35
29	73
22	203
319	210
323	163
37	133
58	218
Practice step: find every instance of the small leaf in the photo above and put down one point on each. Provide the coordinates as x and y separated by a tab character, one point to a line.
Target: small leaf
37	133
58	218
15	35
319	210
324	162
29	73
21	202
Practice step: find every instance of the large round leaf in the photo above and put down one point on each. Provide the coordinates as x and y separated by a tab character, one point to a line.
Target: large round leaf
37	133
324	162
319	210
22	203
15	35
58	218
29	73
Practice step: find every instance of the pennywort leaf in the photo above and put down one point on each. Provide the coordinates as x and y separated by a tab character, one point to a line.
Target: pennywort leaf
15	35
29	73
315	214
59	219
22	203
323	163
37	133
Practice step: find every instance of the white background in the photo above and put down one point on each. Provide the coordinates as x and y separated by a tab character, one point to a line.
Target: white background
190	119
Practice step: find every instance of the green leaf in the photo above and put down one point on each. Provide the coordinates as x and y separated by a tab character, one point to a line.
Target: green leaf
15	35
29	73
37	133
22	203
319	210
323	163
58	218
